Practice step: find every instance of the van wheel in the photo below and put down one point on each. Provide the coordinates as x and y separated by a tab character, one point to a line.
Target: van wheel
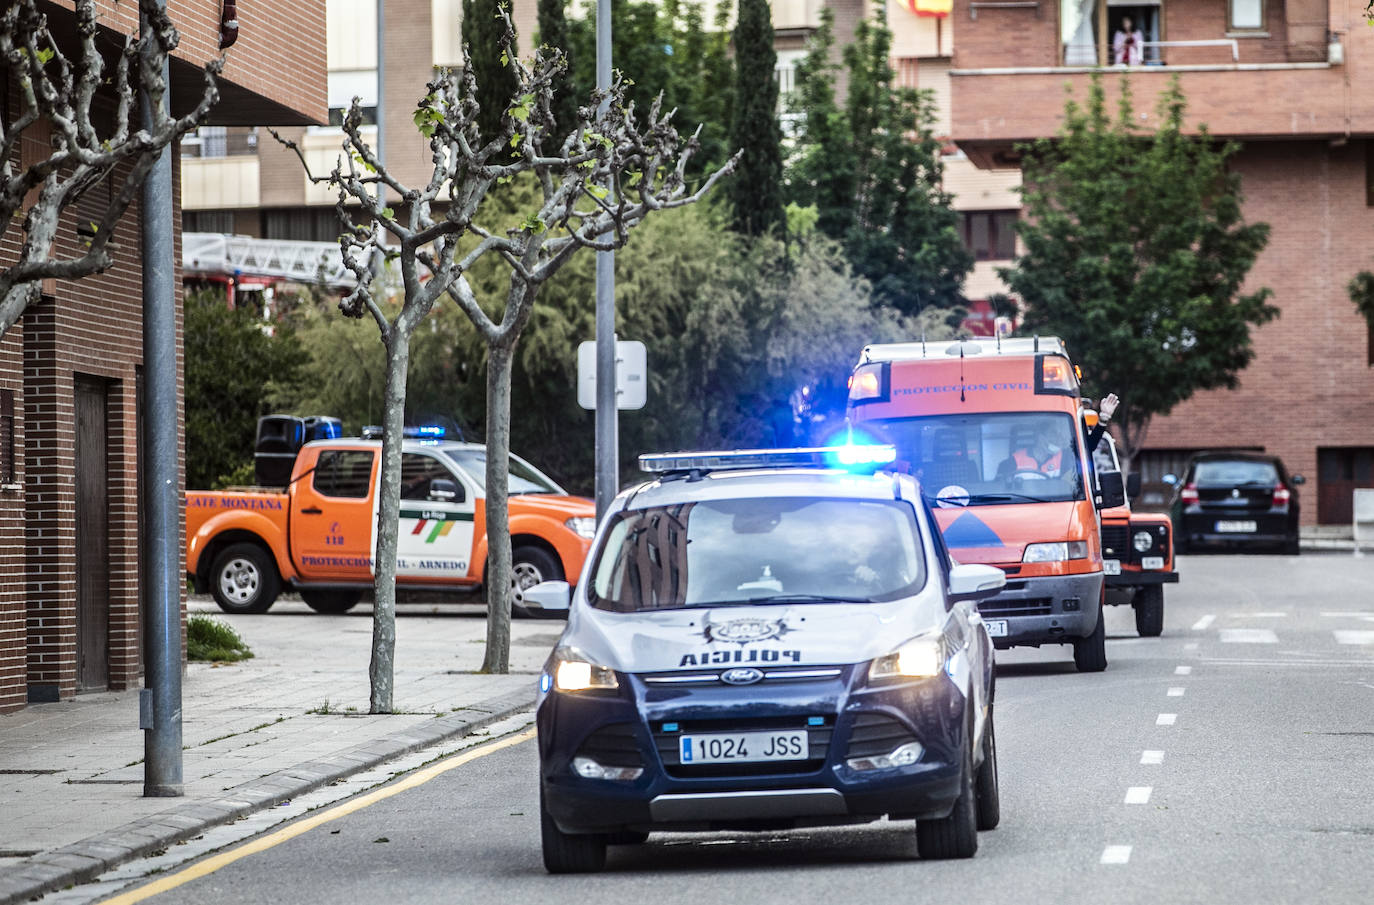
566	853
955	836
1090	653
1149	611
530	566
244	579
985	785
331	602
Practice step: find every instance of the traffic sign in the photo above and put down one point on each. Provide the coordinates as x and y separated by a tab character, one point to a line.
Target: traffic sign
631	375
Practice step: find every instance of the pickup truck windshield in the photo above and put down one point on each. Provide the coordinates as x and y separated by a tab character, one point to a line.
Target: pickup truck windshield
524	477
758	551
990	459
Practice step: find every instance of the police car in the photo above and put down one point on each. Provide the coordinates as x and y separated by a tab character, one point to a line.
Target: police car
764	641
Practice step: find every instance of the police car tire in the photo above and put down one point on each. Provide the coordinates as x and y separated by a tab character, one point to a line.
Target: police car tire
568	853
331	602
264	570
1090	653
1149	611
955	836
989	799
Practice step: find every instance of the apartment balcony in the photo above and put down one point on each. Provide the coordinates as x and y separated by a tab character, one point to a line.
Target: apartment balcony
1285	74
216	183
796	16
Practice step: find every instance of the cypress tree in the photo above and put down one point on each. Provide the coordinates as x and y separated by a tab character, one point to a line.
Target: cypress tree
755	193
482	33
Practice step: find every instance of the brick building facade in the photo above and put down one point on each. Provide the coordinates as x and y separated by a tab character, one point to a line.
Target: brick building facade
1286	79
70	386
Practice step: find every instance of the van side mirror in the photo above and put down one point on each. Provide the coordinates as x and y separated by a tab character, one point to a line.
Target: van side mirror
1113	492
1298	480
444	490
973	581
1133	484
549	595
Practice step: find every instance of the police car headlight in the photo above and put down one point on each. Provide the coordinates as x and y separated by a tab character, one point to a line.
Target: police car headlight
919	658
572	673
582	526
1058	551
1142	541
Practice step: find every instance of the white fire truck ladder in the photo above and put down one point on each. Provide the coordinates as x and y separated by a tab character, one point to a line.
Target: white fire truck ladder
222	256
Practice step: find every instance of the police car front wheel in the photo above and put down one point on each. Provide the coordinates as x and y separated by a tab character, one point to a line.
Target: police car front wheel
569	853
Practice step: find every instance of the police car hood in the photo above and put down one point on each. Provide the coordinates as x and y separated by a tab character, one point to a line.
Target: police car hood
811	634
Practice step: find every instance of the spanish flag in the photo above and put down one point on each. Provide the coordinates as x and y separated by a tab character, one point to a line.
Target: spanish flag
938	9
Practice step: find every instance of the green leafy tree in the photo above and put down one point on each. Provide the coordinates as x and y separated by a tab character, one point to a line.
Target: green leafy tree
756	195
1136	252
232	359
483	30
874	173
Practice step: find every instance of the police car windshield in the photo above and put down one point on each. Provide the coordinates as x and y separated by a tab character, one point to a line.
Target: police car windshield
989	459
524	477
742	551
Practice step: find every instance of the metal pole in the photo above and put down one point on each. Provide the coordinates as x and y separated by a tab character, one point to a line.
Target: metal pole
162	776
607	441
381	82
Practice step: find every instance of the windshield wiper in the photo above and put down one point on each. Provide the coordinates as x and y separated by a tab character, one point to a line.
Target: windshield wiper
802	598
1004	497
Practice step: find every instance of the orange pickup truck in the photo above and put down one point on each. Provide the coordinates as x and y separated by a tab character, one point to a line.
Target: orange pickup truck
318	534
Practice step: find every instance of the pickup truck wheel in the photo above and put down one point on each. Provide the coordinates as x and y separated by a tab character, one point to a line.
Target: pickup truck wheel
1149	611
244	579
1090	653
330	601
530	566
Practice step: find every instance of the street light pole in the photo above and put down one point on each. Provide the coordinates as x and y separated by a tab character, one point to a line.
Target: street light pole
607	427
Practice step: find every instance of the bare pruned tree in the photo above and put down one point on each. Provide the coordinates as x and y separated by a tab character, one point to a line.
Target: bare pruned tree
85	112
611	172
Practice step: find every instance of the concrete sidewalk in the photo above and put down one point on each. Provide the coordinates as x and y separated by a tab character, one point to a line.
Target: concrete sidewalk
255	734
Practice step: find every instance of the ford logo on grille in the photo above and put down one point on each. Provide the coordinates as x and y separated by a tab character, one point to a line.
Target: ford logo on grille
741	675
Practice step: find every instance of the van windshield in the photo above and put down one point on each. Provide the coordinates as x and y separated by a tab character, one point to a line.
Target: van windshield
990	459
758	551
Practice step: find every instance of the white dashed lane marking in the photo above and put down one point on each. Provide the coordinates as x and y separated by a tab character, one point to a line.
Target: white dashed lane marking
1359	636
1166	719
1176	692
1258	615
1139	794
1202	624
1183	670
1191	645
1248	636
1116	854
1151	757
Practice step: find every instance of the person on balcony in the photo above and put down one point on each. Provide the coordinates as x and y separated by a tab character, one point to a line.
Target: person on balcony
1128	44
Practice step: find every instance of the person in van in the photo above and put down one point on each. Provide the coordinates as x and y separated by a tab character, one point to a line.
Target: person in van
1034	448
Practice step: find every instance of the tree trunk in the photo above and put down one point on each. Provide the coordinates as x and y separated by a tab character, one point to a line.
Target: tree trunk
498	576
382	669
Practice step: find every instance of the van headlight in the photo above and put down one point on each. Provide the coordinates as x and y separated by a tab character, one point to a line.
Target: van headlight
582	526
920	658
574	672
1059	551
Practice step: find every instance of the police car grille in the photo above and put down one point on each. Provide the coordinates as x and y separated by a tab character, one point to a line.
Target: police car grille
1031	606
876	733
1115	541
818	745
613	746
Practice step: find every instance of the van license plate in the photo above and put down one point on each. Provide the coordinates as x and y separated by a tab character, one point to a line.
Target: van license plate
1152	562
1236	527
997	628
1111	566
743	747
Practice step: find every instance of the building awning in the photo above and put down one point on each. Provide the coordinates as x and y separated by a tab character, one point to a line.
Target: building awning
938	9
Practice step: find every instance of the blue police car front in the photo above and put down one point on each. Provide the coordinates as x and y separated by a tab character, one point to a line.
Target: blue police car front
768	648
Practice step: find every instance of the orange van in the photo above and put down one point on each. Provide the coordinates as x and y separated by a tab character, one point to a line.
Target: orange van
994	431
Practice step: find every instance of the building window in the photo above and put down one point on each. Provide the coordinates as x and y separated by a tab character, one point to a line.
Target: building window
344	86
311	224
1095	33
7	472
1245	15
990	235
207	221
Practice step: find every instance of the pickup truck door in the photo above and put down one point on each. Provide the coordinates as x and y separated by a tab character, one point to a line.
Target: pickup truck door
435	537
331	518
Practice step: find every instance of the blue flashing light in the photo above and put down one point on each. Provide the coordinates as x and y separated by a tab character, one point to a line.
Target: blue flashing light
670	727
545	682
863	454
815	721
425	431
853	457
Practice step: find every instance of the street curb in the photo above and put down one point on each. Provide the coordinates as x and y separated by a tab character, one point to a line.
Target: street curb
83	861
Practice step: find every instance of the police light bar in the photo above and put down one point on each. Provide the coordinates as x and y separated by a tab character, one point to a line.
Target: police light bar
849	456
413	431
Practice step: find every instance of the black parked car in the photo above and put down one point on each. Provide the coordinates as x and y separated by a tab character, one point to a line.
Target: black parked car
1235	499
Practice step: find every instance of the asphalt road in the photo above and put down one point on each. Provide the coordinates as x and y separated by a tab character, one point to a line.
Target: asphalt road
1226	762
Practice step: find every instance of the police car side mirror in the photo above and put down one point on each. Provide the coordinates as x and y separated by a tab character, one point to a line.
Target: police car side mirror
1113	492
549	595
445	491
974	581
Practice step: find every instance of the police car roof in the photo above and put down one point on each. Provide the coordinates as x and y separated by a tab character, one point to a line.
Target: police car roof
939	349
742	483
